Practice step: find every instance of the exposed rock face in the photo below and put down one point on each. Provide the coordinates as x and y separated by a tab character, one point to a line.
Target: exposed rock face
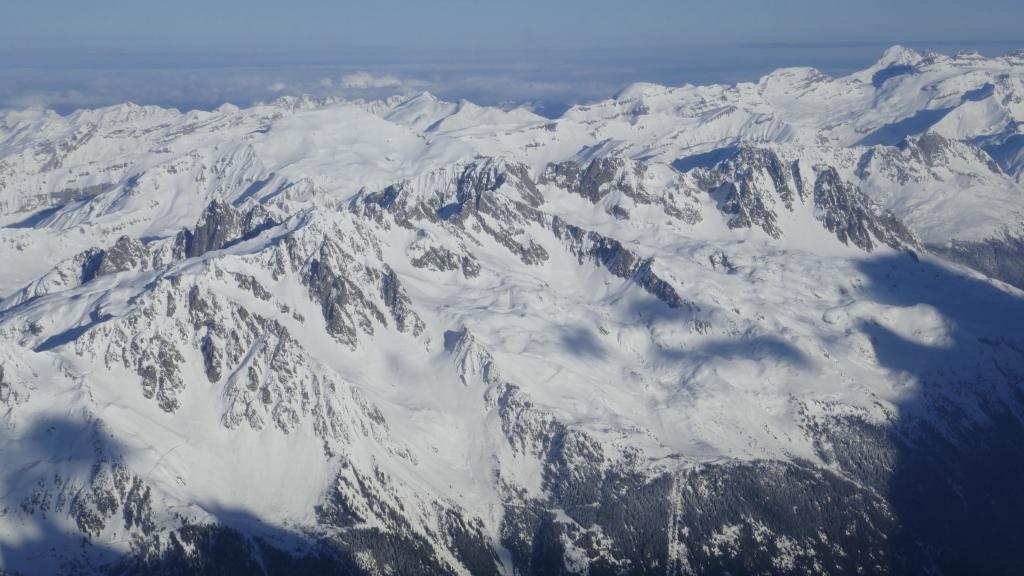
126	254
494	197
108	497
342	287
918	159
854	218
1000	258
617	259
341	297
220	226
442	259
618	184
594	181
398	302
750	184
933	149
12	392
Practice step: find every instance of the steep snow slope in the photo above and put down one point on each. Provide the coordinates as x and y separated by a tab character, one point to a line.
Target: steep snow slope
685	330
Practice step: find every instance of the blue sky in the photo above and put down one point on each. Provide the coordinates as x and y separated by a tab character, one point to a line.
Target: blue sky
473	24
190	53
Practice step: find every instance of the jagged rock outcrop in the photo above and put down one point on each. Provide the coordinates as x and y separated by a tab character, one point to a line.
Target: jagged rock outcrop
126	254
751	183
617	259
220	226
854	218
619	184
493	197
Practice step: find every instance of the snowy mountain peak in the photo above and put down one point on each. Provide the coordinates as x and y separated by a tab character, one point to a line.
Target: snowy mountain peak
898	56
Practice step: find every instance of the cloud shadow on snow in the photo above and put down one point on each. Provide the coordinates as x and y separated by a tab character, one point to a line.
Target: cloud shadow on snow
77	449
958	441
756	348
953	483
581	341
919	123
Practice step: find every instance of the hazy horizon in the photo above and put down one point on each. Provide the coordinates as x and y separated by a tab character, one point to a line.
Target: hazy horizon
547	80
190	54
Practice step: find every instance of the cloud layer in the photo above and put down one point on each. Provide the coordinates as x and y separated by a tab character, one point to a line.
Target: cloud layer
365	80
549	82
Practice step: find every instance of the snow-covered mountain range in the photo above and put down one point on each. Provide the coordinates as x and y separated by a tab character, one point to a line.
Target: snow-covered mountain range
773	327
